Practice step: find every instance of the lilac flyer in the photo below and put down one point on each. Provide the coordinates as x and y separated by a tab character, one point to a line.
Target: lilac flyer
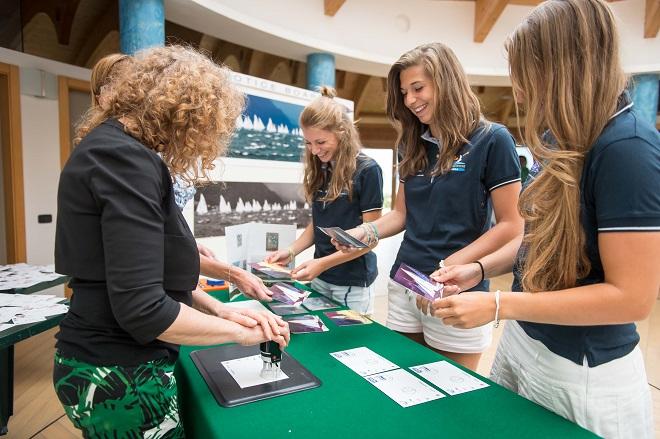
418	282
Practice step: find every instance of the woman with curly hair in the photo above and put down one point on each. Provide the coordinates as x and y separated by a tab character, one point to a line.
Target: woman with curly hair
345	188
132	259
588	265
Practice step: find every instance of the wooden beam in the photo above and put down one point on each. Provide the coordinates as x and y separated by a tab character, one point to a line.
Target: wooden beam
12	163
525	2
652	18
359	93
486	13
330	7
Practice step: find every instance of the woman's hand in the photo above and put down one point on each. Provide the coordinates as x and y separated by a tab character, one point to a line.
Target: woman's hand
467	310
251	285
272	326
281	257
308	270
252	336
457	278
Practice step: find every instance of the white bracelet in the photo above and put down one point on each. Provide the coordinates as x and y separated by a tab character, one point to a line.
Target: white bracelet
497	309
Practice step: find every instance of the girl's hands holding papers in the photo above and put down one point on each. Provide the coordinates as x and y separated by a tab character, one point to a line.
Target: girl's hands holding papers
455	278
467	310
281	257
357	233
308	270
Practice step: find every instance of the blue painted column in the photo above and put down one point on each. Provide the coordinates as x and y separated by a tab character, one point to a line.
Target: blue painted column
141	24
320	70
645	96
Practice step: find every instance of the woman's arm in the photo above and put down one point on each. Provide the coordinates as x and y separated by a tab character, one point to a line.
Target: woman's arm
509	226
192	327
312	268
632	279
246	282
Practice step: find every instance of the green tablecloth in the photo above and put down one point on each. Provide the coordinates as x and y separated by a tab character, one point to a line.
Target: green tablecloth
346	405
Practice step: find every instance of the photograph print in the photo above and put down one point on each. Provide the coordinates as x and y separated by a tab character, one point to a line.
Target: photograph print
221	204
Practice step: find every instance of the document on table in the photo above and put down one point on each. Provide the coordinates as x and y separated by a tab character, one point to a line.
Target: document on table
364	361
23	309
24	275
246	371
448	377
404	388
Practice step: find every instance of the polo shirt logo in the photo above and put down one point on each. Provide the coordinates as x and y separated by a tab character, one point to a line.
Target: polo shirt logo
459	165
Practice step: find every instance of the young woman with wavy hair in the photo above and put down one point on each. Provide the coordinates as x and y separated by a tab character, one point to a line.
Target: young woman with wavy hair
456	169
588	265
345	188
131	257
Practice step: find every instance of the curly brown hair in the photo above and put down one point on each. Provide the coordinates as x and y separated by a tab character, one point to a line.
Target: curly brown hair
176	101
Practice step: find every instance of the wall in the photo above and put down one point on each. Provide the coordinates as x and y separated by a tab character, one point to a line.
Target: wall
41	157
3	237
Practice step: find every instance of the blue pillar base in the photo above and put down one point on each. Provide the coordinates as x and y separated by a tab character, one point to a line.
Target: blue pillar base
320	70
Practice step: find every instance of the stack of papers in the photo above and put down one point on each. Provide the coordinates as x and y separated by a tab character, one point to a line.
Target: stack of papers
273	271
288	294
319	303
405	389
305	323
21	309
24	275
402	386
347	317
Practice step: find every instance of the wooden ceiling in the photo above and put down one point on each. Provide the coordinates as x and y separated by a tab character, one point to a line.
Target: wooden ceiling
486	13
80	32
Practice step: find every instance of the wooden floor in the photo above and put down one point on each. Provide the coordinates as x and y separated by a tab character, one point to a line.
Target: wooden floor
38	414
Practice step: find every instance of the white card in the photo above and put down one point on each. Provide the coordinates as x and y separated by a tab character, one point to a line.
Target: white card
364	361
448	377
4	326
404	388
247	371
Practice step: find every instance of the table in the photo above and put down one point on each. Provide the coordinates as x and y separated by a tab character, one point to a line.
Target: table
346	405
9	338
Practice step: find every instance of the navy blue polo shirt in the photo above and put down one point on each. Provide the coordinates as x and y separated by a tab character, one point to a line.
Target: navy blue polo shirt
620	191
347	214
447	212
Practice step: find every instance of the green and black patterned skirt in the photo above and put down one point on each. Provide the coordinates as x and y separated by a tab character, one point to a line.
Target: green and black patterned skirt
119	402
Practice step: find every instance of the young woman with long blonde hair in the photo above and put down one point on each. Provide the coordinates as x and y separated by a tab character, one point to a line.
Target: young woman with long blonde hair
456	169
588	265
345	188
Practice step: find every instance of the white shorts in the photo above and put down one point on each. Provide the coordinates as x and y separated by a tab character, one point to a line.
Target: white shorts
360	299
613	400
403	316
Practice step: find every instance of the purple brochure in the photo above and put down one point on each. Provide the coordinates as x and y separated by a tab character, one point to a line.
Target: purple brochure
288	294
418	282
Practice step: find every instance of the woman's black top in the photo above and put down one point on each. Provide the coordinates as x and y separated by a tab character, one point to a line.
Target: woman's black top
127	247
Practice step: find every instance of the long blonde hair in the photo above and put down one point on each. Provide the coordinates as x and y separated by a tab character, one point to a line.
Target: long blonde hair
456	110
328	114
103	73
564	64
177	102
